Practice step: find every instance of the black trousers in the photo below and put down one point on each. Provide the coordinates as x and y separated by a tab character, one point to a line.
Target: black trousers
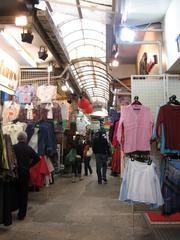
77	167
87	166
23	187
101	166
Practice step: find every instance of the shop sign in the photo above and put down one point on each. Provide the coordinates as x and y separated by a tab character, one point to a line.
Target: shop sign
8	79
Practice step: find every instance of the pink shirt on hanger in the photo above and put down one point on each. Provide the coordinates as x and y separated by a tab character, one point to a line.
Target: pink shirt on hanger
138	128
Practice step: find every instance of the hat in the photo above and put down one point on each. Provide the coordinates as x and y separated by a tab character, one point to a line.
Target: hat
22	137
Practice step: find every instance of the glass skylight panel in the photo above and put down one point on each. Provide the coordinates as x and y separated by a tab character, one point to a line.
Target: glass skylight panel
92	33
86	38
75	36
85	51
74	45
105	3
71	26
89	24
60	19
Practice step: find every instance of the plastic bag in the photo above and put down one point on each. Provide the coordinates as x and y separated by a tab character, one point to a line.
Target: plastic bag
89	152
71	156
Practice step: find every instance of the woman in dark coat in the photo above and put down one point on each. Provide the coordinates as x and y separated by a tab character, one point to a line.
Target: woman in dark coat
26	158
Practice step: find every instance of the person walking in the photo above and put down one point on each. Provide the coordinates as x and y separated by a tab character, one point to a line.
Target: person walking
101	150
26	158
77	164
87	158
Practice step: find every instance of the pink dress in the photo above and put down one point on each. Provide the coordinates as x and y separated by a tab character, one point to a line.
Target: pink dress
137	122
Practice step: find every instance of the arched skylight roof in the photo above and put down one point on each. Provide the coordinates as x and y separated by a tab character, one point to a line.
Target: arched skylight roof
85	41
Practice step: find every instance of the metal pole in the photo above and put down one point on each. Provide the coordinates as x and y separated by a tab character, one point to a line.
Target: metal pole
160	58
132	205
49	74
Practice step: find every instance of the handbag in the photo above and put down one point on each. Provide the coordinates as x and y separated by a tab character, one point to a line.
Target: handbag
71	156
89	152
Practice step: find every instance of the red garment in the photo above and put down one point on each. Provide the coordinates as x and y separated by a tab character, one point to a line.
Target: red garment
38	173
116	161
169	116
115	141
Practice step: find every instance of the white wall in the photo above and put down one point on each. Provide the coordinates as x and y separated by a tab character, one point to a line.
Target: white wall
171	31
123	71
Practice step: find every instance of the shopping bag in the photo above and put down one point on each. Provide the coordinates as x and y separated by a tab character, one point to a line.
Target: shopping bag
89	152
71	156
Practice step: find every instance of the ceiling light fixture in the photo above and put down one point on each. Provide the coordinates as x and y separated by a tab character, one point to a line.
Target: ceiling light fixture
64	88
27	36
127	35
67	85
21	21
41	5
50	67
42	53
115	63
12	41
72	91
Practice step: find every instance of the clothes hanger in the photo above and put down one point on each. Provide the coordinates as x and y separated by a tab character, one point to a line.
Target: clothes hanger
136	101
173	100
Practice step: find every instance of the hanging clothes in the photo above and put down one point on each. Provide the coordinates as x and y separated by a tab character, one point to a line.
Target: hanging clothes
116	161
136	124
38	173
171	187
34	140
169	116
46	93
24	94
115	141
13	129
10	111
141	184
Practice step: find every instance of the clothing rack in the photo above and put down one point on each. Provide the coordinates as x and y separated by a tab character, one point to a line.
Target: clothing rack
140	157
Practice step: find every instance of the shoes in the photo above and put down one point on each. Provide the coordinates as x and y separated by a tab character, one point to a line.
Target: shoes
20	217
99	182
73	180
80	178
105	181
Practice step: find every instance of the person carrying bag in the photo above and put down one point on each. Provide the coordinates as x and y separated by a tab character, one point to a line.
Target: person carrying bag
87	158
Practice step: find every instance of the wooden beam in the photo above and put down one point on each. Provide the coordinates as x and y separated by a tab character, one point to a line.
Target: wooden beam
11	19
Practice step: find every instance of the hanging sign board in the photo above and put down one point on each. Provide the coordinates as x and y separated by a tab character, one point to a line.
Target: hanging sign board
8	74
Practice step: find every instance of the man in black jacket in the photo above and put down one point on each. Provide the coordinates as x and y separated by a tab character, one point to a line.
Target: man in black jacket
101	151
26	158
